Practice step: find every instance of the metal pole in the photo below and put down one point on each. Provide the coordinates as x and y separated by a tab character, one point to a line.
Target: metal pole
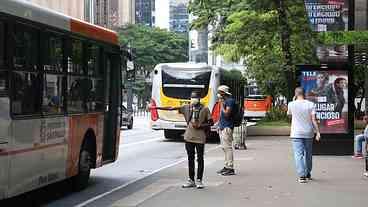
129	95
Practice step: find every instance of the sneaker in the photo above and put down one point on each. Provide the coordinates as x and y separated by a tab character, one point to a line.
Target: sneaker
199	184
189	184
302	180
365	174
357	156
221	171
309	177
228	172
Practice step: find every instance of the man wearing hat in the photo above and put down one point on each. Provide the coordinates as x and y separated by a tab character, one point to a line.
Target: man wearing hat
226	127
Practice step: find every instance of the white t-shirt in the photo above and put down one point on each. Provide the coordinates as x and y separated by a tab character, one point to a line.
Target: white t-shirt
301	119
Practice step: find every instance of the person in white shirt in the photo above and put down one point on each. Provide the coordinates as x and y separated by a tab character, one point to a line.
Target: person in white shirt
303	127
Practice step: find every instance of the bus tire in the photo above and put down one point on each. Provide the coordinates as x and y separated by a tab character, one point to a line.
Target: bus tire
172	134
80	181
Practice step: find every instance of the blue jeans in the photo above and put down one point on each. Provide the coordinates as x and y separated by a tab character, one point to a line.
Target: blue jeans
358	142
303	155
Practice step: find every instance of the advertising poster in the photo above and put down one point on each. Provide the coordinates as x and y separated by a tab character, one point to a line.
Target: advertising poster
329	91
329	15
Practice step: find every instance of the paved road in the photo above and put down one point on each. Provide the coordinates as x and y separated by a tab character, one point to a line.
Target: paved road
142	152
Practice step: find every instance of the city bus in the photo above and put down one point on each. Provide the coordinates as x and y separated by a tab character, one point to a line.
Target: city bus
256	104
172	84
60	82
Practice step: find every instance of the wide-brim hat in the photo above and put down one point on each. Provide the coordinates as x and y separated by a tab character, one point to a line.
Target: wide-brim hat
225	89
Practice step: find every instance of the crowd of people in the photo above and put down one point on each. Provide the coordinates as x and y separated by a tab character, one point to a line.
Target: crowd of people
304	127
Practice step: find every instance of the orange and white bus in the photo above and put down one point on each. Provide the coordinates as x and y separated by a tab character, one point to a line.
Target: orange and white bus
256	105
60	84
172	84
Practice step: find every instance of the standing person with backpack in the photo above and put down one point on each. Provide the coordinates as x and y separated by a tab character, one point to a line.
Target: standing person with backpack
198	118
226	127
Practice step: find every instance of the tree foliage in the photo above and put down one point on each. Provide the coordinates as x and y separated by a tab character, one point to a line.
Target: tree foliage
153	46
251	29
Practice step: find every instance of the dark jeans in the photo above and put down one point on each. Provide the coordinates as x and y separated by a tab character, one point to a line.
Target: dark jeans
191	148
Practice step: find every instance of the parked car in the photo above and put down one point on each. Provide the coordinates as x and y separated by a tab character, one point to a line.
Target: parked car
126	118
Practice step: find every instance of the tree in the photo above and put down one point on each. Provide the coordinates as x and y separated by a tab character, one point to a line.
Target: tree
153	46
271	35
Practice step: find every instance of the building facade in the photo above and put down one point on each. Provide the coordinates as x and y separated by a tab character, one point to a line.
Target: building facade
121	13
71	8
172	15
179	16
106	13
145	12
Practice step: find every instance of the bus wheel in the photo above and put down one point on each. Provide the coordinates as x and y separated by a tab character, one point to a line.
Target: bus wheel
80	181
172	134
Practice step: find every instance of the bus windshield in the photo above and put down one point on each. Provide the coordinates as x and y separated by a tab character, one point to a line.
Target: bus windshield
179	84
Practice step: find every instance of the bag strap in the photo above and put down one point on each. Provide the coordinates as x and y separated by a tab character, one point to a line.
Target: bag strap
191	112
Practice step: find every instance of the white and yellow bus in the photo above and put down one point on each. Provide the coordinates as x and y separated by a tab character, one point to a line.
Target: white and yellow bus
172	84
60	81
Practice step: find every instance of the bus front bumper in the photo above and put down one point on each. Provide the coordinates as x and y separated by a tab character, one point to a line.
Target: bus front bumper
162	124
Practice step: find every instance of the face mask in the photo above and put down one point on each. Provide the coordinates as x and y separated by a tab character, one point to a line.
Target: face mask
194	101
219	96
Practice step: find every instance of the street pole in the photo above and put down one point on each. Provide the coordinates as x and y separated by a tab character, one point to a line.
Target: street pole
129	95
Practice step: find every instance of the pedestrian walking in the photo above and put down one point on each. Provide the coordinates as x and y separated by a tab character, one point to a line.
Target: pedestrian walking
198	120
303	127
226	127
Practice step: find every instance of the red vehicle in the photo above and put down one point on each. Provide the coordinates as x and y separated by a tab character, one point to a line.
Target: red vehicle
256	105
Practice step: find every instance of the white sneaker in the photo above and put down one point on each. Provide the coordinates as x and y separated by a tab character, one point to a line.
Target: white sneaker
200	184
365	174
189	184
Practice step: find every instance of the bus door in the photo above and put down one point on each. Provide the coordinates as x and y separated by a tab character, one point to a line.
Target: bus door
112	100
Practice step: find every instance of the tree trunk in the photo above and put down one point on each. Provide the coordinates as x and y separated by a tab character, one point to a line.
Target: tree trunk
286	47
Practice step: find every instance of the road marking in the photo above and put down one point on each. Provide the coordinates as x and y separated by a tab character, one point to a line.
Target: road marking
136	180
144	194
148	192
141	142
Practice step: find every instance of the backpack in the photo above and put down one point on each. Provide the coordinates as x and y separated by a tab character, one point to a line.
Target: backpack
237	115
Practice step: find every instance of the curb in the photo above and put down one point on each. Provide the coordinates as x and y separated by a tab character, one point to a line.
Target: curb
268	131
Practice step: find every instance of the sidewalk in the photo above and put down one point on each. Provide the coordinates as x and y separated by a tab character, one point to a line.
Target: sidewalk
265	177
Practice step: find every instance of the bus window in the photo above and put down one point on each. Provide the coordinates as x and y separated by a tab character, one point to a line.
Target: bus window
93	61
3	78
79	89
2	45
75	65
180	83
26	48
3	74
53	58
95	101
26	95
53	100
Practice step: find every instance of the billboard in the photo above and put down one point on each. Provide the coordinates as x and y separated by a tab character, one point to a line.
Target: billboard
328	15
328	89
